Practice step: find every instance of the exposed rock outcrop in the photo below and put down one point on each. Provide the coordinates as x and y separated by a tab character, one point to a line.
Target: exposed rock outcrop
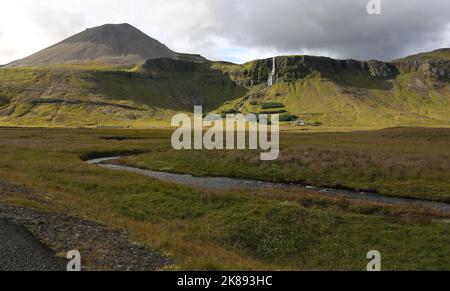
290	68
436	70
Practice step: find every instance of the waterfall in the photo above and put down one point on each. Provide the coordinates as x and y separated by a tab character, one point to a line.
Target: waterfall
272	80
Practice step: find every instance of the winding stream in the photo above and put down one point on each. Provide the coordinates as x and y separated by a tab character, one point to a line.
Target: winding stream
220	183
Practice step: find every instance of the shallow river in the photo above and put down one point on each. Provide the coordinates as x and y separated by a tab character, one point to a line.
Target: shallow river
221	183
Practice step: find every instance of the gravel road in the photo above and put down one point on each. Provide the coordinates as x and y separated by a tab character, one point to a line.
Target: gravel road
21	251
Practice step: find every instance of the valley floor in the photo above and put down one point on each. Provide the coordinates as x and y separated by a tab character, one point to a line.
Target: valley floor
274	229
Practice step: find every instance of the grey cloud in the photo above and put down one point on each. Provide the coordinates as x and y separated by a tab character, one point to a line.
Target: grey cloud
252	28
340	28
58	25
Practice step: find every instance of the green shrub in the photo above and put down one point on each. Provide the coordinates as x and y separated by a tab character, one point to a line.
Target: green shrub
3	101
272	105
230	111
277	111
316	123
288	117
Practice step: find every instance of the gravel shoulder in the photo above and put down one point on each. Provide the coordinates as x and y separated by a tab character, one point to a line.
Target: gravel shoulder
31	239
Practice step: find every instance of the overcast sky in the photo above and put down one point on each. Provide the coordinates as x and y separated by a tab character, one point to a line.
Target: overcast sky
237	30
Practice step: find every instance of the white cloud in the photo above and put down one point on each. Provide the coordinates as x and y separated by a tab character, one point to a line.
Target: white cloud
237	30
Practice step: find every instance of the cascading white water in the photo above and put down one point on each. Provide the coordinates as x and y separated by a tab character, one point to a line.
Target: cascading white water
272	80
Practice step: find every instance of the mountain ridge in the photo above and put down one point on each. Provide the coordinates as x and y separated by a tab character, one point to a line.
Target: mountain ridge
114	44
313	90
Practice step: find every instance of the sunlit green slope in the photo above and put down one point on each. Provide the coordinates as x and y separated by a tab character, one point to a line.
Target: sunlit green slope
312	90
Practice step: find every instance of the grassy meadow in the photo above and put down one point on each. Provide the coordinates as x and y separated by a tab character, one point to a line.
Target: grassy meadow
405	162
205	229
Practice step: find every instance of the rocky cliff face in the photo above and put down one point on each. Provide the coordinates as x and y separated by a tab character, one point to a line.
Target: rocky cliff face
164	67
437	70
434	66
291	68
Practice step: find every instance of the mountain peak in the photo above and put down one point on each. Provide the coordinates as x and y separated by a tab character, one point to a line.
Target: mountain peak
121	44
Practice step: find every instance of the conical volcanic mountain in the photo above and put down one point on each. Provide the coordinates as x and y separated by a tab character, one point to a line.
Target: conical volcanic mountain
120	44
